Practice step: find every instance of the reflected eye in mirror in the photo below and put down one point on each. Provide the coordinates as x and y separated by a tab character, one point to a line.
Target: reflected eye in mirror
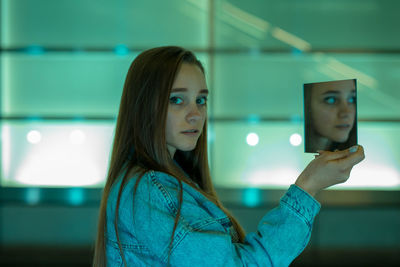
330	100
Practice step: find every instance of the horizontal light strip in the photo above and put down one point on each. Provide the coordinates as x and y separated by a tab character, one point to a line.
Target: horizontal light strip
214	50
210	119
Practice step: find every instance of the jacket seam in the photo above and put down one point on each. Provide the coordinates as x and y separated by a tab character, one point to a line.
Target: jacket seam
304	218
127	246
298	213
173	208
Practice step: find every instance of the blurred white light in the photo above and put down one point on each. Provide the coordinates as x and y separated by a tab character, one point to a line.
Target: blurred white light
295	139
262	177
5	150
364	176
77	137
252	139
34	137
74	165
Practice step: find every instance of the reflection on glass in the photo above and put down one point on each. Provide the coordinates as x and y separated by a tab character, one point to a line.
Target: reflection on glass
330	110
275	163
55	154
67	23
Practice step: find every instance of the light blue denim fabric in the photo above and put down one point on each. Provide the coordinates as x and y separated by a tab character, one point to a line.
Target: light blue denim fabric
203	236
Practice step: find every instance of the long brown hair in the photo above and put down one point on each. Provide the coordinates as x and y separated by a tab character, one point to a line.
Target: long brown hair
140	144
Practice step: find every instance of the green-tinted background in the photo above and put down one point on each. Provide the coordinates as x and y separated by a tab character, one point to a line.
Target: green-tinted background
63	64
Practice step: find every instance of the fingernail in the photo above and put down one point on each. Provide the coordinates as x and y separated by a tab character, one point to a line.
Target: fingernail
353	149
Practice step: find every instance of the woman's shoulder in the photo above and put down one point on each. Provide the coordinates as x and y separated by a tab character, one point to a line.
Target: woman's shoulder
150	189
161	190
151	179
157	185
144	178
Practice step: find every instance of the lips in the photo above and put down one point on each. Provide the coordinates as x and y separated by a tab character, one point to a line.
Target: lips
191	131
343	126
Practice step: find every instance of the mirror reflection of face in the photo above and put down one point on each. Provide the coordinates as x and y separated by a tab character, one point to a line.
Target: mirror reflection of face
333	109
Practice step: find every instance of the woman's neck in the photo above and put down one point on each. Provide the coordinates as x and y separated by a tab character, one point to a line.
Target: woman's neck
320	143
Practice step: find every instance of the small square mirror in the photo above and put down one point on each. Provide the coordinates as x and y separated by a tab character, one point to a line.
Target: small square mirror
330	115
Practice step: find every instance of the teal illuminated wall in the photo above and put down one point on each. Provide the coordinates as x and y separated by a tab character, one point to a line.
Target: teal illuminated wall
63	64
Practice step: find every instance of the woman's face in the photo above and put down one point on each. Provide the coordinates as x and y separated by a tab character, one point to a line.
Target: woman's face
187	109
333	109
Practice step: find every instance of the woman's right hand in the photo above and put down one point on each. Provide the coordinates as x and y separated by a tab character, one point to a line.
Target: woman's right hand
329	168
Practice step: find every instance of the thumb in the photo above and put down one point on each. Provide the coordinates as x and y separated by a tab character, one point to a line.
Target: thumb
353	158
339	154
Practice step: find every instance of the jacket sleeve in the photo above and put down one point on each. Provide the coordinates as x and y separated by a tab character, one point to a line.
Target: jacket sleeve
283	233
204	240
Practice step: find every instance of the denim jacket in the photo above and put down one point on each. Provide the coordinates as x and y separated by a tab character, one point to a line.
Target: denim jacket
203	236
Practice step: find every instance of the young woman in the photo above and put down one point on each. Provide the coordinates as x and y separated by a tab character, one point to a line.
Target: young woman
159	206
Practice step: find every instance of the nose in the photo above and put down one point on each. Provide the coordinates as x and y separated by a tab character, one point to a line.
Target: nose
345	110
193	114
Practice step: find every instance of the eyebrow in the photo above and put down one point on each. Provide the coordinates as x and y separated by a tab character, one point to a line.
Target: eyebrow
174	90
331	92
335	92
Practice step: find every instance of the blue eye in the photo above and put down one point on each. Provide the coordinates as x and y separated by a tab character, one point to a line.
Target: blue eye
201	100
330	100
175	100
352	100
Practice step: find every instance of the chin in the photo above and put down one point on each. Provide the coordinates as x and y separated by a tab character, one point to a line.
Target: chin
187	148
340	140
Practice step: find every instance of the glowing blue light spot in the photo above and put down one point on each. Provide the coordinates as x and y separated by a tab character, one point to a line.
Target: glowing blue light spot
253	118
255	52
78	51
210	134
121	50
35	50
296	52
251	197
75	196
296	119
78	118
32	196
34	118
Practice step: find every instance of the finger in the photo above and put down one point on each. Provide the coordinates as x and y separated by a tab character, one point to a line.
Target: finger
340	154
346	174
352	159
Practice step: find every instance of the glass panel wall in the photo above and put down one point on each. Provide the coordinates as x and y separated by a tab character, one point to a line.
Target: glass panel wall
63	65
